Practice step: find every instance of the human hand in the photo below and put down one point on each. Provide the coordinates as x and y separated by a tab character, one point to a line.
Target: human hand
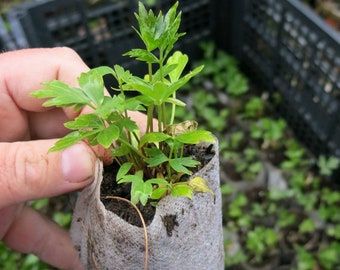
27	171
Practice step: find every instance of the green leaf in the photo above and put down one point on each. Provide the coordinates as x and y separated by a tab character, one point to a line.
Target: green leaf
127	123
140	192
123	170
198	184
104	70
71	139
306	226
142	55
175	101
159	193
158	181
153	137
330	256
195	137
85	121
121	74
109	106
160	74
156	158
160	92
138	84
92	84
180	164
182	81
108	135
181	61
130	178
134	104
120	151
181	189
61	95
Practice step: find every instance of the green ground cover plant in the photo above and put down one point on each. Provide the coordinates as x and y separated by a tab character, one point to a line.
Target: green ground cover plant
293	214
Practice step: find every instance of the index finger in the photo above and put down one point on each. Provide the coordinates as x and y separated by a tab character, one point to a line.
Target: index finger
22	72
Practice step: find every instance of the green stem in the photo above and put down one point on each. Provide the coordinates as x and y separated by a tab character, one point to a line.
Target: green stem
164	116
131	147
169	167
173	110
149	127
150	71
161	60
159	119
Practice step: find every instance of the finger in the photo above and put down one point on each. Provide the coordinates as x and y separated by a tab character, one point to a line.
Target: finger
28	171
16	106
37	66
33	233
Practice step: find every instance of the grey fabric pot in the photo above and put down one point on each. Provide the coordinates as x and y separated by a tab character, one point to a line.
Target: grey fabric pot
105	241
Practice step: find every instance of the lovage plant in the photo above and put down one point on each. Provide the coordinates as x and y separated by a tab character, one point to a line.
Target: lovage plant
154	160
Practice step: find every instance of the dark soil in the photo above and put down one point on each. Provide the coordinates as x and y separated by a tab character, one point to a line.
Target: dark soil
125	210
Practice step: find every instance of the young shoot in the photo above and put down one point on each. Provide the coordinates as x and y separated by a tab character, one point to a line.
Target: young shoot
154	160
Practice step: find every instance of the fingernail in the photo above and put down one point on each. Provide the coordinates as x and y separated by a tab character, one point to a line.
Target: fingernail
77	164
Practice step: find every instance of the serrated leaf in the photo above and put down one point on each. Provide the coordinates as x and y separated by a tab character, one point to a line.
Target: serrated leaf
198	184
195	137
142	55
153	137
85	121
108	135
127	123
70	139
60	94
121	74
156	157
180	164
92	84
109	106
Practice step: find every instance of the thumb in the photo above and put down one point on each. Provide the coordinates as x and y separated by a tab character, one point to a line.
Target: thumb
28	171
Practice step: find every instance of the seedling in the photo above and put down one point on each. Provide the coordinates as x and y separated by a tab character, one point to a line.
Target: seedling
271	131
154	160
260	241
328	165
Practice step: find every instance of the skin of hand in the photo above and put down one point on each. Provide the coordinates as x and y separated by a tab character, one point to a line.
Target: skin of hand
27	171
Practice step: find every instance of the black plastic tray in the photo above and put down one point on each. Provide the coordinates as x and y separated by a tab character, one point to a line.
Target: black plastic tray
102	33
285	47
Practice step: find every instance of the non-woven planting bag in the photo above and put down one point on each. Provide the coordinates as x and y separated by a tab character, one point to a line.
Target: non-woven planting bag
194	240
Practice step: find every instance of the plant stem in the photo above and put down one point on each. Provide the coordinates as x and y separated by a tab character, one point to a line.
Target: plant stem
149	127
130	146
173	110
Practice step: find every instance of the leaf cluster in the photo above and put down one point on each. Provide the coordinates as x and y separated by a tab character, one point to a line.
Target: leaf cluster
153	161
